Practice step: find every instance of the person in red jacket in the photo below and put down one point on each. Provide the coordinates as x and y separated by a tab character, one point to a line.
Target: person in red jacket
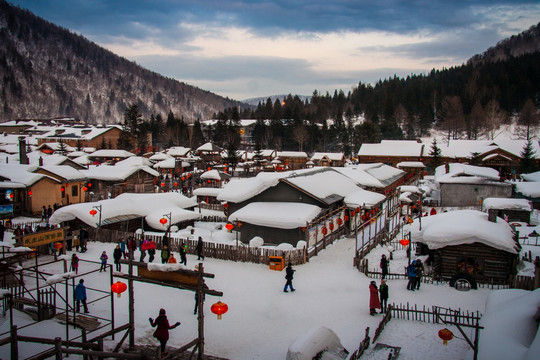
162	331
374	302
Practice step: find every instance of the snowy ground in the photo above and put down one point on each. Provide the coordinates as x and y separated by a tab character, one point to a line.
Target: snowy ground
263	321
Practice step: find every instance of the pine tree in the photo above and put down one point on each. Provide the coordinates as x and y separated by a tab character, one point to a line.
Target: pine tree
435	154
528	154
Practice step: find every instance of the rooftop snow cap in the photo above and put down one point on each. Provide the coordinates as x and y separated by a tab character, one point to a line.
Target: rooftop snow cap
161	311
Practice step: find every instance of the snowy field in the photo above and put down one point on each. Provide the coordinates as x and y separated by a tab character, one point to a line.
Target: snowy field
262	320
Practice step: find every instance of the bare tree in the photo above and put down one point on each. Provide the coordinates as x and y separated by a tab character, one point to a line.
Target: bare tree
529	117
494	118
451	114
476	119
301	135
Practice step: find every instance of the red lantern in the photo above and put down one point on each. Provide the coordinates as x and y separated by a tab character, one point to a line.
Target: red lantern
84	188
226	205
57	246
346	217
339	221
219	309
404	242
364	217
372	212
376	209
93	212
303	228
183	178
331	226
118	288
175	183
358	209
229	226
400	206
324	230
29	192
163	221
446	335
352	213
162	184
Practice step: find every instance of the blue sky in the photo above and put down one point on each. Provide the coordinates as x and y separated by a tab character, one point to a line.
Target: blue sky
243	49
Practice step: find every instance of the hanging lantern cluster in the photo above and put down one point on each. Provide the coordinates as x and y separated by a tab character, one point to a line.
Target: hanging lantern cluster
219	309
118	288
446	335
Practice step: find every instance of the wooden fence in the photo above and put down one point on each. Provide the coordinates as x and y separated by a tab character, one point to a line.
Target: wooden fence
364	344
241	253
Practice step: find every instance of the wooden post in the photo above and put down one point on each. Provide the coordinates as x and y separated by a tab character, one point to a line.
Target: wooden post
14	346
83	339
58	348
131	302
537	272
112	302
200	310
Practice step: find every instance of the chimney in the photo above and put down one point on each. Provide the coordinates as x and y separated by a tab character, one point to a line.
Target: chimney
40	161
23	159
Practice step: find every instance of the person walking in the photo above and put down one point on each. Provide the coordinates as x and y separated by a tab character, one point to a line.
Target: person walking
165	254
123	248
75	263
44	213
374	302
49	212
200	249
151	251
142	248
117	255
411	273
383	292
183	257
80	296
384	266
419	273
103	259
162	331
289	274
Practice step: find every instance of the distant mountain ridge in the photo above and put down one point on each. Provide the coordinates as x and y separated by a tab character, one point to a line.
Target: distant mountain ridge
48	71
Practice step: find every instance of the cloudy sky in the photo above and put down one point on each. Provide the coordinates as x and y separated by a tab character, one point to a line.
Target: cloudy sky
244	49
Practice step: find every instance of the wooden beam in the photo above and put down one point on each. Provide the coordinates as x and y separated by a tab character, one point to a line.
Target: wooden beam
169	284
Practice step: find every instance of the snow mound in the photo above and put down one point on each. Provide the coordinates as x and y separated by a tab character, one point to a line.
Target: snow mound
284	246
257	241
317	343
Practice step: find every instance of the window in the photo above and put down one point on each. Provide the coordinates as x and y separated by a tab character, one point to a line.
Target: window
470	265
74	191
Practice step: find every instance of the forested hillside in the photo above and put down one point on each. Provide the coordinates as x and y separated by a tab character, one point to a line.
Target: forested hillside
469	101
48	71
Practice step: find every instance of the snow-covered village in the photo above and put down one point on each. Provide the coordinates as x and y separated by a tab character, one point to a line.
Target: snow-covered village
265	180
457	250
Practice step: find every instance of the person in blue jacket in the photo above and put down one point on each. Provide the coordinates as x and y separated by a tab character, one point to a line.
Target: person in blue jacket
411	273
80	296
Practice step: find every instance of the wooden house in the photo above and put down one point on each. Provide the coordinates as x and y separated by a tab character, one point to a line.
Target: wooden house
71	182
508	209
328	159
463	246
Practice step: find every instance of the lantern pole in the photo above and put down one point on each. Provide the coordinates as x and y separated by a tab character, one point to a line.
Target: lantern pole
168	216
200	314
98	209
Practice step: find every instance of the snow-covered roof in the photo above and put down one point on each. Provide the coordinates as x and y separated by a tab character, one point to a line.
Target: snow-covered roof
170	163
363	198
238	190
178	151
64	171
23	174
510	325
392	148
56	146
464	148
463	227
207	191
150	206
111	153
376	175
463	173
410	164
14	139
159	156
324	183
115	172
134	161
535	176
214	175
528	189
515	147
73	132
282	215
410	188
209	147
291	154
507	204
332	156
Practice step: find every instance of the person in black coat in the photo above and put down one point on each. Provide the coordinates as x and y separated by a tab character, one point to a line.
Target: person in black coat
200	248
117	255
384	266
289	276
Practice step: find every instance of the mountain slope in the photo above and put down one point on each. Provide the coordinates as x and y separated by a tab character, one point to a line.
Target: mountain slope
48	71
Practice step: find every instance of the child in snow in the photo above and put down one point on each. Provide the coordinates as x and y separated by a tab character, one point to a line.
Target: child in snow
103	259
